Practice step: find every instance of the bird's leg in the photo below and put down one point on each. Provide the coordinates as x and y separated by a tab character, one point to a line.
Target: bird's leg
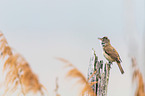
110	63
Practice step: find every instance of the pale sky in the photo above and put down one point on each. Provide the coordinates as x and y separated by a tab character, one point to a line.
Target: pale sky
41	30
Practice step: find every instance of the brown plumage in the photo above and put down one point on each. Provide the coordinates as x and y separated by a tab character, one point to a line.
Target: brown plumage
110	53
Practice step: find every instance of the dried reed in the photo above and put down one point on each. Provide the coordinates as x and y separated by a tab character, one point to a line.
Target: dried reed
75	73
57	87
18	73
137	75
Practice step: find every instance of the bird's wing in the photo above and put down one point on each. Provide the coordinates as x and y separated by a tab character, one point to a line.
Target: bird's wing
112	53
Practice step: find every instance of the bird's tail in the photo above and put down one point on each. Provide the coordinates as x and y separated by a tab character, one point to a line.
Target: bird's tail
120	67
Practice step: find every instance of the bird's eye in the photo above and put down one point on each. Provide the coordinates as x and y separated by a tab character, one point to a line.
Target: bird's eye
105	38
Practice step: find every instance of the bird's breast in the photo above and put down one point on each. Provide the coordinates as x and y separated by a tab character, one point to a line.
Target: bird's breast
108	57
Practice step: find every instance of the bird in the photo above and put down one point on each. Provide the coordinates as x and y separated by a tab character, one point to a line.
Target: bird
110	52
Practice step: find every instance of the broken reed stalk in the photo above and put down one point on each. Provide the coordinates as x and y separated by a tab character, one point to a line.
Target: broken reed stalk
17	72
101	75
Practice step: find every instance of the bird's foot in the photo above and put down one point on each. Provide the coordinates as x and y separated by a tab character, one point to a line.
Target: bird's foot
110	63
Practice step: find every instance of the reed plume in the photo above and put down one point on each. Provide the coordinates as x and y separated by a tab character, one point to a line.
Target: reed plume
137	75
75	73
18	74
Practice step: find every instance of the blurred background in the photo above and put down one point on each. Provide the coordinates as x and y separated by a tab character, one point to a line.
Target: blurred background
41	30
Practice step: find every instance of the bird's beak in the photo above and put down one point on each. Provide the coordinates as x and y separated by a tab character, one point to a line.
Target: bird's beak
100	39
